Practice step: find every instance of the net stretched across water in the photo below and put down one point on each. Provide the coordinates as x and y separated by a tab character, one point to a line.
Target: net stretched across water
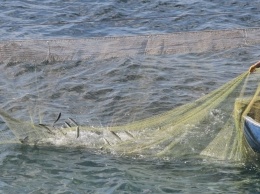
212	125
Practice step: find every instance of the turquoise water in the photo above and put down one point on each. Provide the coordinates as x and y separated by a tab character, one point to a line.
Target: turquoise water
115	91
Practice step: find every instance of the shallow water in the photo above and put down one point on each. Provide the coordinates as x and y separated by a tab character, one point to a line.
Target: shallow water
115	91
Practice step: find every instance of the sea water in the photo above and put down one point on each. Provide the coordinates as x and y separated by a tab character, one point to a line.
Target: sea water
116	91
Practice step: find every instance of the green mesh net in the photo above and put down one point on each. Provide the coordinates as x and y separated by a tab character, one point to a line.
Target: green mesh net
211	126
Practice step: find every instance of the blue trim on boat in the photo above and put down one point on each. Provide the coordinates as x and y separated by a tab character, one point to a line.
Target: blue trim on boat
252	133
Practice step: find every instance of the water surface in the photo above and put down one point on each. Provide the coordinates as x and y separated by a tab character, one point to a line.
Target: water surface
116	91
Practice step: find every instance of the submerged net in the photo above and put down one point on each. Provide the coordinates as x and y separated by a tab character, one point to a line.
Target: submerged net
211	126
108	47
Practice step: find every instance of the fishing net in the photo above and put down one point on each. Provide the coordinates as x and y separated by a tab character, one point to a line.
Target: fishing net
210	123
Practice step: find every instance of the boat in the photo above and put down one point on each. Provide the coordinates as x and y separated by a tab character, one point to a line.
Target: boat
252	133
251	121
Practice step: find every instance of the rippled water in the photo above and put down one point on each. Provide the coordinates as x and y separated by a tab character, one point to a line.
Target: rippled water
111	91
41	19
117	90
59	170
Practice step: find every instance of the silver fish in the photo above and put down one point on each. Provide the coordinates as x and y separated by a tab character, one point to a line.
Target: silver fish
46	127
116	135
73	121
67	124
129	134
57	119
25	140
106	141
77	132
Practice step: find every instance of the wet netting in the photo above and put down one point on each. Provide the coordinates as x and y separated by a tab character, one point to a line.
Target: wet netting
211	124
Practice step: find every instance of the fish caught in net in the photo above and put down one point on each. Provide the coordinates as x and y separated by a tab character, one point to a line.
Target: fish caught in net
213	125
